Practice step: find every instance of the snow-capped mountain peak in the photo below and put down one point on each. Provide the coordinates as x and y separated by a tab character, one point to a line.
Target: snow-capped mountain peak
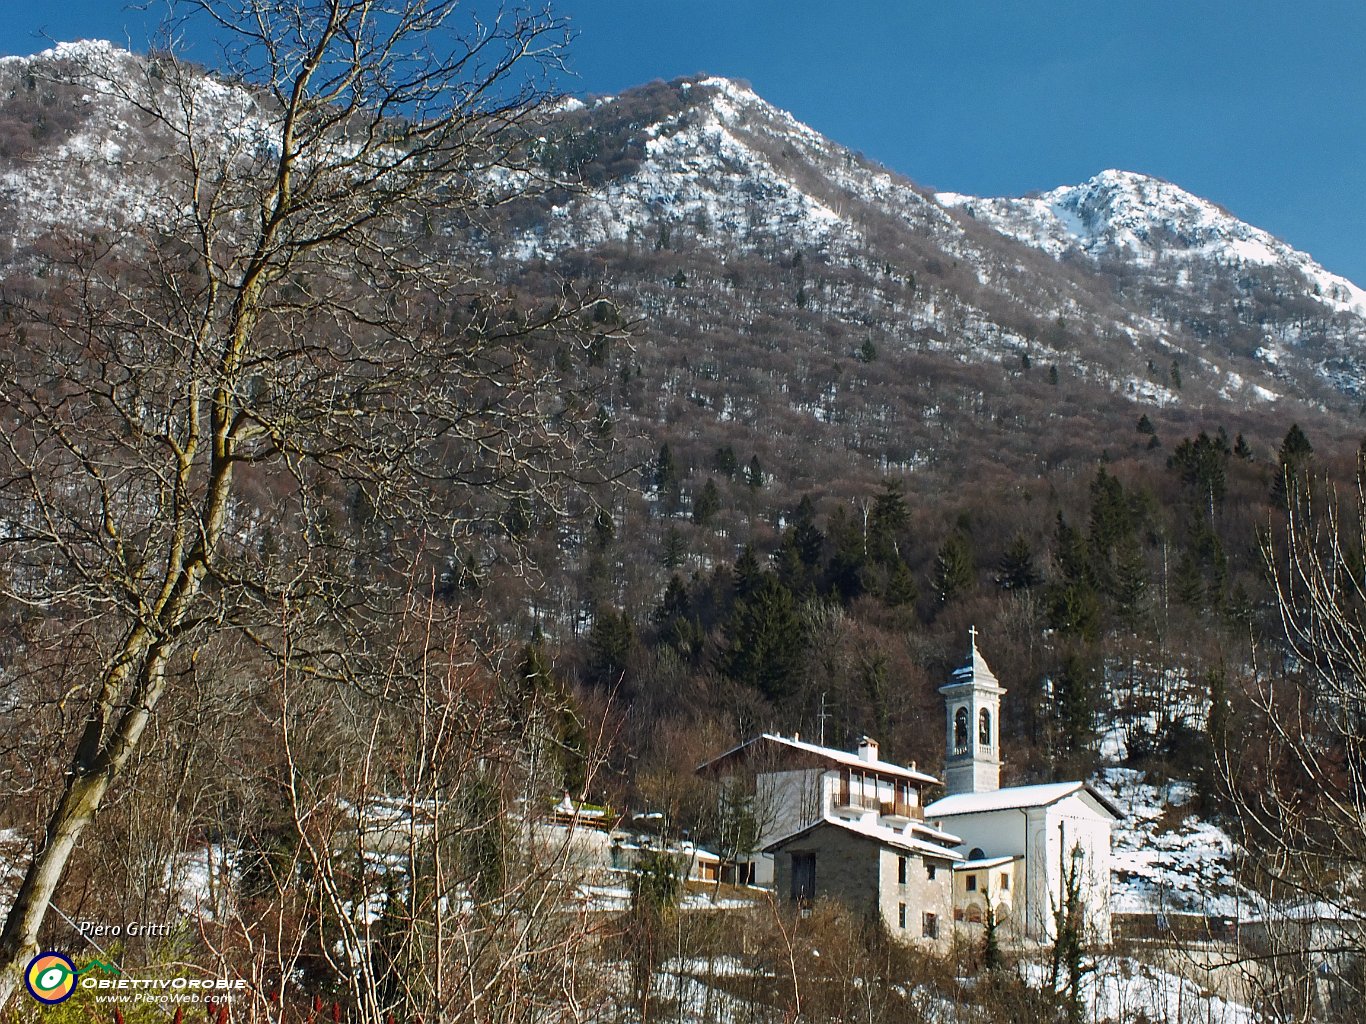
676	179
1149	221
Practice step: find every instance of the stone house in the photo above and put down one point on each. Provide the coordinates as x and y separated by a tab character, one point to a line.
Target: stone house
789	783
895	875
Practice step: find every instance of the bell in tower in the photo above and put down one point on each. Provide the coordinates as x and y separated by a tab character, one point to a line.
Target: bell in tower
972	702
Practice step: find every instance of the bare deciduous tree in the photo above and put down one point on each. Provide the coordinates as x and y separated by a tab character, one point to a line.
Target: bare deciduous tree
1298	780
281	384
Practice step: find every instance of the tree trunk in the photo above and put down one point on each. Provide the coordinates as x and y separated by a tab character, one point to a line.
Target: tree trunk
19	941
100	756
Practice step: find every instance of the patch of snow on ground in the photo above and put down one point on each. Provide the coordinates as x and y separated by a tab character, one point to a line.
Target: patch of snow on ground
1165	860
1121	987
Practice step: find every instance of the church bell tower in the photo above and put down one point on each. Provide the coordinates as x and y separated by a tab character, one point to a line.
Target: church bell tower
972	702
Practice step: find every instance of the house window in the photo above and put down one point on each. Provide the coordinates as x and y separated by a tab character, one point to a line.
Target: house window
901	915
901	873
972	883
1005	881
803	876
929	872
929	926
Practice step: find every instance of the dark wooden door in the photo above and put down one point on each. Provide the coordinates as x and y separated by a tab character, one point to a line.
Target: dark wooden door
804	876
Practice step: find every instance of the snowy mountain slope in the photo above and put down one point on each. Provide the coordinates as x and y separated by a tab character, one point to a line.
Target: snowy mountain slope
1117	283
1148	221
1166	858
97	159
1154	274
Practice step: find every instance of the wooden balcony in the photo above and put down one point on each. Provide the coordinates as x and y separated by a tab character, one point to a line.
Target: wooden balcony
895	809
847	800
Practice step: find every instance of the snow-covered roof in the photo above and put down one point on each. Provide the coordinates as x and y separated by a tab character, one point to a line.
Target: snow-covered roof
843	757
1015	797
986	862
896	838
1314	911
929	831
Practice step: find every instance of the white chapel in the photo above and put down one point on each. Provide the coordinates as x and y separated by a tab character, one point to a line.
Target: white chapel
1020	843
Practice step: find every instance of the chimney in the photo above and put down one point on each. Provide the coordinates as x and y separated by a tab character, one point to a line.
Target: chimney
867	749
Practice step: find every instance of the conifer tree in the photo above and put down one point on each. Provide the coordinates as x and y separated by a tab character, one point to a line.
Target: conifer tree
1073	604
551	721
1071	552
1075	700
674	603
1208	787
1292	461
1130	583
889	516
1188	585
754	474
747	573
708	503
1111	514
609	643
1017	570
723	460
901	590
992	960
846	568
677	627
672	555
1201	463
954	570
602	422
604	529
807	538
1068	964
766	640
799	556
655	893
668	482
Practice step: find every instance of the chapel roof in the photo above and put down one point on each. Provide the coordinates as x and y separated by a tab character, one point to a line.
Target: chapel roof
1042	795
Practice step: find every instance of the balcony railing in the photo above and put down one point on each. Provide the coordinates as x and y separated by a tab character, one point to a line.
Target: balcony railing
900	809
847	799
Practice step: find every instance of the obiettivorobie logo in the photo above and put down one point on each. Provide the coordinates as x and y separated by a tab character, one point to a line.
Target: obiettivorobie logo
51	978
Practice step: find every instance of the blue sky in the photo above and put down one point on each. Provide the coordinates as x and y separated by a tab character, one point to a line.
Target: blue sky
1259	106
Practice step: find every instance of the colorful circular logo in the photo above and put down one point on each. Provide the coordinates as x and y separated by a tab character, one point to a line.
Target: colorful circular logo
51	978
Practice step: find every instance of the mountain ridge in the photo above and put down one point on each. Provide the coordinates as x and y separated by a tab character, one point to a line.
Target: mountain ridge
1177	277
1124	278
